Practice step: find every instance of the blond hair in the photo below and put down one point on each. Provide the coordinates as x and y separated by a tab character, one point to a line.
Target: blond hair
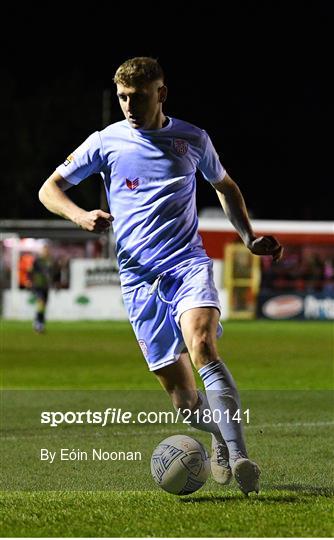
138	71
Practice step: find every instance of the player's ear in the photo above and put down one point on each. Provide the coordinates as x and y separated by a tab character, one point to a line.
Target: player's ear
162	94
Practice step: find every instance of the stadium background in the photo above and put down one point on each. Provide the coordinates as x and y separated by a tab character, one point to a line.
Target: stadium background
256	77
265	104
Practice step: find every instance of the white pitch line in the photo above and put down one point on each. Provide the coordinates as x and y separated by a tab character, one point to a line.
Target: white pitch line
53	434
291	424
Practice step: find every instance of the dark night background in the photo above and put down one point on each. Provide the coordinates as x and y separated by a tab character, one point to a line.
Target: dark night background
255	75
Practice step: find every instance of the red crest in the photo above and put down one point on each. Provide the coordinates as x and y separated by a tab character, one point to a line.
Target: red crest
181	146
132	184
143	347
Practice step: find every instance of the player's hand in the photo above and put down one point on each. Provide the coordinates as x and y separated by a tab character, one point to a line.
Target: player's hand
266	245
96	221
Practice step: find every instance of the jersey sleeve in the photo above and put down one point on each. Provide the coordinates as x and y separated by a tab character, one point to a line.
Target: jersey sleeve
87	159
209	165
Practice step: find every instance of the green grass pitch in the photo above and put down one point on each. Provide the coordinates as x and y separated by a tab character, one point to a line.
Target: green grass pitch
284	371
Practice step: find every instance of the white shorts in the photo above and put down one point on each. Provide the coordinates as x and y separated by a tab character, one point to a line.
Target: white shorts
155	309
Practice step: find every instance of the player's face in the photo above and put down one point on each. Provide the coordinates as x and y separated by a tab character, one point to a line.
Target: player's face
142	105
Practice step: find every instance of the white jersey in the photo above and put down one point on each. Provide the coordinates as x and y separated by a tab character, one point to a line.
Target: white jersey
150	183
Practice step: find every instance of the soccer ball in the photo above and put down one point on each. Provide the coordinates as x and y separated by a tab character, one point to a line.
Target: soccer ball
180	465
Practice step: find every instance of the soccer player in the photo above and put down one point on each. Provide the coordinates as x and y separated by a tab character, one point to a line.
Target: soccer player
148	163
41	278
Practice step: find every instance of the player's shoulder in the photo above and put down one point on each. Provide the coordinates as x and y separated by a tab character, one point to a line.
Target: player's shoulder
114	129
186	130
182	125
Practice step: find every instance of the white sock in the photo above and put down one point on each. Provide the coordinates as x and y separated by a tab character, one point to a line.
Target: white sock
222	395
201	417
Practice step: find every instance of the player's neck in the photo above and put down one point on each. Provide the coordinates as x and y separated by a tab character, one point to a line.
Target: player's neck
159	122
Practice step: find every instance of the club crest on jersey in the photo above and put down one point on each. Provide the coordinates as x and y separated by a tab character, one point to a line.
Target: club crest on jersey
132	184
181	146
143	347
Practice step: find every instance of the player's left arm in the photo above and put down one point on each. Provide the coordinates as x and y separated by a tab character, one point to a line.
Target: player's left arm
234	206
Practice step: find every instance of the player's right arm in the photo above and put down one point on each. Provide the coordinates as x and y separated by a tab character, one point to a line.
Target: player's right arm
52	195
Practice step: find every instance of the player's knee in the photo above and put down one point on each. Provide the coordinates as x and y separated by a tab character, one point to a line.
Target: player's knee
203	349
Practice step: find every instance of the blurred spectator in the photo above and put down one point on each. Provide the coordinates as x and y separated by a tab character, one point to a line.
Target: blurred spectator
61	273
303	269
25	265
314	273
41	279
